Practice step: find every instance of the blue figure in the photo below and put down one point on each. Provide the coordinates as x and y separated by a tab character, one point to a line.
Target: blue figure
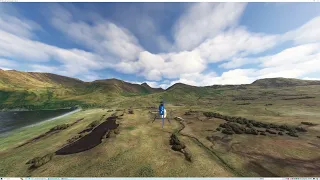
161	112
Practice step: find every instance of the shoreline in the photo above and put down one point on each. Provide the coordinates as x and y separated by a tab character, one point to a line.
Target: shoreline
22	109
51	119
6	134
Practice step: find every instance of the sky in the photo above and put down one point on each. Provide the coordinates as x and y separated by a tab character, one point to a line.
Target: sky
162	44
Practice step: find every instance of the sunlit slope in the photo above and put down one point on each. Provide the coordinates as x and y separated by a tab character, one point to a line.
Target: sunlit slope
29	80
45	90
27	89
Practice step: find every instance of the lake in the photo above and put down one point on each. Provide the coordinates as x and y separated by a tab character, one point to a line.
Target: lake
11	120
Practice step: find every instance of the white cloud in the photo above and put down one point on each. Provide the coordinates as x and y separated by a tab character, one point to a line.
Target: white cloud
236	42
73	61
295	70
238	62
101	36
292	62
127	67
206	34
155	67
279	72
163	85
8	63
43	68
16	25
163	43
236	76
151	61
21	48
172	65
182	63
153	84
205	20
295	62
85	74
147	24
90	77
307	33
296	54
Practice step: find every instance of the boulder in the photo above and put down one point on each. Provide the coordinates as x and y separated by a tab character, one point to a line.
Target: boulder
174	140
179	118
117	131
178	147
227	131
187	154
263	134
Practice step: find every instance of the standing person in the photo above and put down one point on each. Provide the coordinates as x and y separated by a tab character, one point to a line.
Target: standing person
162	112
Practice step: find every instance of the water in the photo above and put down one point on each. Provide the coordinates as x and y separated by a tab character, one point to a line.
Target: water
12	120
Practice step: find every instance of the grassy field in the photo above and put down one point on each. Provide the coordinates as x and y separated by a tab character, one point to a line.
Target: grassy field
142	148
123	155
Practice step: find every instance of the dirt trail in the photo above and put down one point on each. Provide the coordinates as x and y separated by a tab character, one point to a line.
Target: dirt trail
91	140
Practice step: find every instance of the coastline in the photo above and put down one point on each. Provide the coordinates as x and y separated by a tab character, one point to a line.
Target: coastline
6	134
23	109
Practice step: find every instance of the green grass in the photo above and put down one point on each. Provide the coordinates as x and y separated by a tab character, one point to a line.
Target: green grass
145	171
130	128
4	95
142	148
125	154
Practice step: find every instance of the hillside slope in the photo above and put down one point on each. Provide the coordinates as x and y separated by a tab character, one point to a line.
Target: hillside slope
45	90
122	87
284	82
28	80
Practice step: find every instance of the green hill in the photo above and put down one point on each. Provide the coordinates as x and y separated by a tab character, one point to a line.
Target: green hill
44	90
247	130
124	88
284	82
28	80
33	90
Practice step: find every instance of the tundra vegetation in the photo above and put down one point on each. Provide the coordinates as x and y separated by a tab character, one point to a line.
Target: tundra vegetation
233	130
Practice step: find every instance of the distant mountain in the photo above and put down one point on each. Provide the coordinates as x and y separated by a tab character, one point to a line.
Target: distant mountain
283	82
180	86
46	90
27	80
151	89
119	86
33	90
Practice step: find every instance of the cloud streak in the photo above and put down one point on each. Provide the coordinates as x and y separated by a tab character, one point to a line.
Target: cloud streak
205	34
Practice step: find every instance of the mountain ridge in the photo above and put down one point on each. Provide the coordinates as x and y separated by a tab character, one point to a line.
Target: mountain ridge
284	82
60	79
31	90
70	81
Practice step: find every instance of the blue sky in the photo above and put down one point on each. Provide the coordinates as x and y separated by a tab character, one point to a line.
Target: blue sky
163	43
